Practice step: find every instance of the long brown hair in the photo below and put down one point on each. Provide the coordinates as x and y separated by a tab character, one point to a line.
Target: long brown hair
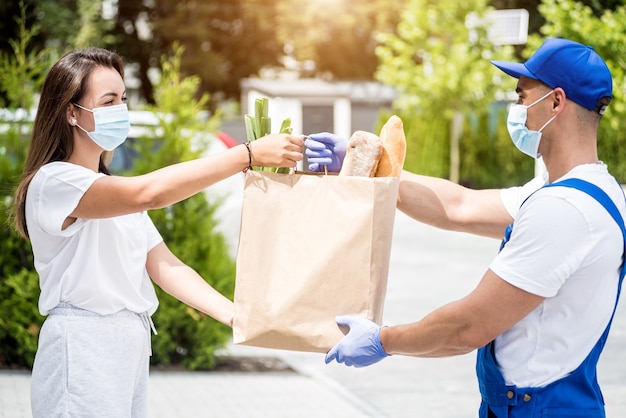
52	138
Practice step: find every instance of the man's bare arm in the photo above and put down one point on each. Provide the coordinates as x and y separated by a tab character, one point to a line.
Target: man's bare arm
447	205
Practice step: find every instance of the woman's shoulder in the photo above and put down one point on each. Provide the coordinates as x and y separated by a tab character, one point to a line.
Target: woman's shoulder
62	172
61	169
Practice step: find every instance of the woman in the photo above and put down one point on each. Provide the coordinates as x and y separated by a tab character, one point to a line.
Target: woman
96	249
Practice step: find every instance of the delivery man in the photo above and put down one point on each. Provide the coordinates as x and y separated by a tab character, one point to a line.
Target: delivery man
541	314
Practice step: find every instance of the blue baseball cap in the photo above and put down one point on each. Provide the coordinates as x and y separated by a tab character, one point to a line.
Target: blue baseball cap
574	67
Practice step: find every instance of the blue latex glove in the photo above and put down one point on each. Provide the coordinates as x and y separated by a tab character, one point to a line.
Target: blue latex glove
361	347
325	149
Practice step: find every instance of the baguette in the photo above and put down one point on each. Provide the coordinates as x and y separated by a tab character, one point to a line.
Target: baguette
362	155
394	148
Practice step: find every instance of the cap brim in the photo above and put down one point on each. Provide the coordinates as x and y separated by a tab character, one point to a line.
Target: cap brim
514	69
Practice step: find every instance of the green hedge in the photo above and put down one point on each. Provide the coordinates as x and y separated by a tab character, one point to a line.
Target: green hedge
185	336
488	158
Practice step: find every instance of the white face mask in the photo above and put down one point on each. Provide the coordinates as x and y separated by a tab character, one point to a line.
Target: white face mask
111	125
524	139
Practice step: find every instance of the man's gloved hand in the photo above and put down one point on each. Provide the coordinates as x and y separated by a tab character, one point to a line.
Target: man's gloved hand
361	347
325	149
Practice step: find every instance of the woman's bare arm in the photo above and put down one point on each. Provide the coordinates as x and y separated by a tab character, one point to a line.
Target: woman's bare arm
186	285
114	195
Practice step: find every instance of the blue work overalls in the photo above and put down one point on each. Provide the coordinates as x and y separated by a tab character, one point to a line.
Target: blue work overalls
575	395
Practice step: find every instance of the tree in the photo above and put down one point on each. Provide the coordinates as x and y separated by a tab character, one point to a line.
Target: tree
607	33
92	25
442	70
63	24
337	36
223	40
131	43
228	40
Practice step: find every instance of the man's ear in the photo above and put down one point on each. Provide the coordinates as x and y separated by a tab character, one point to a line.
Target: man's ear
559	98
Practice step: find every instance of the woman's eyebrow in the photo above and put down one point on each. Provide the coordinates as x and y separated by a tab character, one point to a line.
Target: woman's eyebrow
113	94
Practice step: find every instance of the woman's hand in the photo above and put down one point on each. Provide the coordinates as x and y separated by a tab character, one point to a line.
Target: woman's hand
277	150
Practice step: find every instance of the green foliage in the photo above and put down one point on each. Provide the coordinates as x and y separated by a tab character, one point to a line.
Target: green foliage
22	70
260	125
489	159
440	65
607	33
427	153
441	68
337	36
20	321
186	336
92	26
436	61
23	74
224	40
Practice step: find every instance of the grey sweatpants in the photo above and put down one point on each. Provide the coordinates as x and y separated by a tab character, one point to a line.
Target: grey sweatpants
90	365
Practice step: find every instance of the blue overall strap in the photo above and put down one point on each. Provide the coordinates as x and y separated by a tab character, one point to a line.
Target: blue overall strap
602	198
599	194
575	392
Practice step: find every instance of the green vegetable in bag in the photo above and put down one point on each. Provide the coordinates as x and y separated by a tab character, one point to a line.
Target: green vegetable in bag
260	125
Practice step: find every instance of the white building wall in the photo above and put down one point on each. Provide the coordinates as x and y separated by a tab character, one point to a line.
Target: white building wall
342	117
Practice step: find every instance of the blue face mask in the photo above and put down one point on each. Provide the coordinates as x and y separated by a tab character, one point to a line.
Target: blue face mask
524	139
111	125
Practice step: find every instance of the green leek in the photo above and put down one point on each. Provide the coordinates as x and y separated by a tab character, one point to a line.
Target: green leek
260	125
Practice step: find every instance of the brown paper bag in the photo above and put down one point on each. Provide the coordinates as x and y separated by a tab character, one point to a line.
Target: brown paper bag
311	246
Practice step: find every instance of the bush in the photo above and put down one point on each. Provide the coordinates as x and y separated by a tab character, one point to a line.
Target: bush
186	337
20	321
489	159
22	75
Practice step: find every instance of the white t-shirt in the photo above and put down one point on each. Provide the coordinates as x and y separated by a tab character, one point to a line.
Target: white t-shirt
567	248
94	264
513	197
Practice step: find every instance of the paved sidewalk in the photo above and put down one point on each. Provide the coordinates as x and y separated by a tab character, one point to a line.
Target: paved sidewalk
428	268
217	394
